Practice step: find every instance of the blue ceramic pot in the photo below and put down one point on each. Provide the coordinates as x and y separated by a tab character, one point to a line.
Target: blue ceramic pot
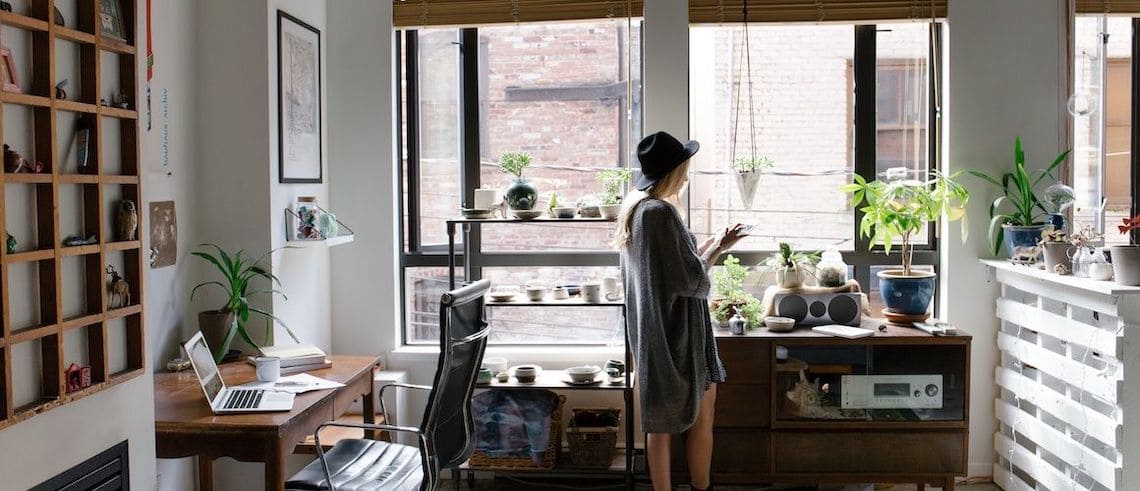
1057	220
1020	236
521	195
907	294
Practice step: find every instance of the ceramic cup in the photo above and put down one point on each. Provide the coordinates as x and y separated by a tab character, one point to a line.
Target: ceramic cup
268	368
611	286
592	292
526	373
484	198
560	293
535	293
495	364
485	376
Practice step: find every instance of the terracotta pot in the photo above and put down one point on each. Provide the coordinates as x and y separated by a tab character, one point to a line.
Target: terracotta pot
214	324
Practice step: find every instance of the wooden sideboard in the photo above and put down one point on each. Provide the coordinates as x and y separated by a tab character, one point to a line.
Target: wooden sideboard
762	436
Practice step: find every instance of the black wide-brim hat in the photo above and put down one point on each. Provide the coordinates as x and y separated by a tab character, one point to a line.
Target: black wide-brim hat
659	154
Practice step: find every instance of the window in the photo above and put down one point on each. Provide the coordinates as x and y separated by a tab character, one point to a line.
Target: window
806	119
1102	123
561	92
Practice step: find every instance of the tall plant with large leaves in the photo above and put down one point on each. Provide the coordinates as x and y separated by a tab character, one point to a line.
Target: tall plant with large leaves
1018	205
238	275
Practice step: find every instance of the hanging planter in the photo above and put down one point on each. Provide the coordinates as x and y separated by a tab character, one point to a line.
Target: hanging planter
748	172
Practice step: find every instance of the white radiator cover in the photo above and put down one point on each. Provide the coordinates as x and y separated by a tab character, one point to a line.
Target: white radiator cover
1068	382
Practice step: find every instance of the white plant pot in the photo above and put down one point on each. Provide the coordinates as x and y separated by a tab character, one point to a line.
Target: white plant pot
747	182
789	278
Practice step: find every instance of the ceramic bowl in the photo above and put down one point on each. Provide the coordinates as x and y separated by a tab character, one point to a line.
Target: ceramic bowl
563	212
475	213
536	293
583	374
590	212
501	296
526	214
609	212
495	364
527	373
779	324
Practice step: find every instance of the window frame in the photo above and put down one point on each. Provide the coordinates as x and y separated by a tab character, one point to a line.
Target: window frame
414	254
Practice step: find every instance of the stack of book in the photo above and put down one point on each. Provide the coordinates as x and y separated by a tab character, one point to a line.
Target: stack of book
296	358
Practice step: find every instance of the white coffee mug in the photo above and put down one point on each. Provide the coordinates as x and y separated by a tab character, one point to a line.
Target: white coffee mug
592	292
268	368
611	286
484	198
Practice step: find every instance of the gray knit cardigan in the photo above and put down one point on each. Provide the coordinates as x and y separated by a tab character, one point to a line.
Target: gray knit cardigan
667	316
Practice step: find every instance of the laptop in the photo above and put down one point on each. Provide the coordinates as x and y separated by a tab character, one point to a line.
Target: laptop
224	400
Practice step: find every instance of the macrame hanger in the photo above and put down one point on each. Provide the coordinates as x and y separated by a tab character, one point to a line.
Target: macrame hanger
746	58
424	13
515	11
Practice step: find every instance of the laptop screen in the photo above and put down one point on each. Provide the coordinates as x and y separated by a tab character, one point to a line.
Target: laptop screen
205	367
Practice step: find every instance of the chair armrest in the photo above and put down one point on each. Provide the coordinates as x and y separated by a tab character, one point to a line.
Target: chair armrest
384	409
365	426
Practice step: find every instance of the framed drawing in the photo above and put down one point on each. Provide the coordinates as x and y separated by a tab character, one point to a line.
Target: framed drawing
111	22
298	100
8	68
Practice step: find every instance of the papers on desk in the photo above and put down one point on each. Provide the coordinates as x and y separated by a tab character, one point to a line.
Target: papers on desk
296	384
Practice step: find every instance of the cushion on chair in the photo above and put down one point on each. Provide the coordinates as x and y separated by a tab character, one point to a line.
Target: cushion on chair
359	465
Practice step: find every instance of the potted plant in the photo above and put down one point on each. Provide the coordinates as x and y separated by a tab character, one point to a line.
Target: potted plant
556	210
237	272
896	210
791	266
521	194
613	187
1017	217
1126	258
730	296
748	170
1056	249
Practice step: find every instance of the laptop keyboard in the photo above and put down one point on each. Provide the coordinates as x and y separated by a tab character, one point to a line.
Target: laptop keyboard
243	398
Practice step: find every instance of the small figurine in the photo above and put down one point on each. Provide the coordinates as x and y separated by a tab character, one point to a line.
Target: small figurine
118	288
59	92
127	220
120	100
5	6
75	240
78	377
103	102
11	246
14	163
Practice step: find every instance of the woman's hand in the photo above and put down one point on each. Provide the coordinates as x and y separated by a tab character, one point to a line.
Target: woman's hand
730	236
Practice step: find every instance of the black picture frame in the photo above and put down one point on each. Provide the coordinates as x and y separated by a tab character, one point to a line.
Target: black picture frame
300	111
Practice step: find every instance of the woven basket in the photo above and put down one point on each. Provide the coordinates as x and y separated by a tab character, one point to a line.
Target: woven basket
592	447
480	460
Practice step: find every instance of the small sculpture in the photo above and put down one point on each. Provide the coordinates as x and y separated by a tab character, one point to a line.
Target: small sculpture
59	92
5	6
127	220
499	208
78	377
11	245
117	289
14	163
75	240
120	100
1027	255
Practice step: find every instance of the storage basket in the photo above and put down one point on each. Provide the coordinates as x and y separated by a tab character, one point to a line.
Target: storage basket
591	444
480	460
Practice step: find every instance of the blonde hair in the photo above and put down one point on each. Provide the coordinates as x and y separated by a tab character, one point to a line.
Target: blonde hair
665	189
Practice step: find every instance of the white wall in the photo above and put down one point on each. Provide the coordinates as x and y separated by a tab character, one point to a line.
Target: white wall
1004	80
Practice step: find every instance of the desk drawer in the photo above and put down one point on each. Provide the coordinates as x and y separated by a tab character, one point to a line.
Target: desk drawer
896	452
746	360
742	405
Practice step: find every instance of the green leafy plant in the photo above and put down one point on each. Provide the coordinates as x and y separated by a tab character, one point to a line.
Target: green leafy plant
899	209
238	273
553	203
613	184
728	284
514	162
1018	204
790	258
752	164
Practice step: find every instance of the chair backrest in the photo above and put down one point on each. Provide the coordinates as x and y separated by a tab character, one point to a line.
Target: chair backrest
462	340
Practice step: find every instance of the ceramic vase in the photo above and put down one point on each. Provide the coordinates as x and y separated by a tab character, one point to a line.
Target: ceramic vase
905	294
521	195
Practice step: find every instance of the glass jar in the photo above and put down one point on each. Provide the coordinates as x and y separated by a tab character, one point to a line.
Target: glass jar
305	224
1081	258
831	271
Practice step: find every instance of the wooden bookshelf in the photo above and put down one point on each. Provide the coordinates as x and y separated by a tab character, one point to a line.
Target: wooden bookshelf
95	185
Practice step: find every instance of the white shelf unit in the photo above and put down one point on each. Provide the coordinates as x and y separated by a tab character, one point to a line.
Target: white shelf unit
1068	402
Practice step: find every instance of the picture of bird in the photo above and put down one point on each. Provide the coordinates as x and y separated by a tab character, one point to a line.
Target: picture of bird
127	220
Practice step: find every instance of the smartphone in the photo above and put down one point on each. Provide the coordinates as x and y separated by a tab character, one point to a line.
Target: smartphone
747	229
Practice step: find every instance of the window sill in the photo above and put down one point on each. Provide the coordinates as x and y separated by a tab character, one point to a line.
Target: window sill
555	356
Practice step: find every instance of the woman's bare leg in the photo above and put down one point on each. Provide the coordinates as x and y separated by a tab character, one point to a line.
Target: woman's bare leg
657	449
699	442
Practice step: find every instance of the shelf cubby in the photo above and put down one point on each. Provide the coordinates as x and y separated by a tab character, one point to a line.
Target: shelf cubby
55	303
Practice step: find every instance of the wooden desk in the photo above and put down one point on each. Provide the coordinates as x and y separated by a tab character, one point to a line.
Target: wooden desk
185	426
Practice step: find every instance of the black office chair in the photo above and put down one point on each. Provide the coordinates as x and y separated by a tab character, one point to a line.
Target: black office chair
446	435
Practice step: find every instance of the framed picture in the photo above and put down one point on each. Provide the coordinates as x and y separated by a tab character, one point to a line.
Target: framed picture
298	100
8	67
111	20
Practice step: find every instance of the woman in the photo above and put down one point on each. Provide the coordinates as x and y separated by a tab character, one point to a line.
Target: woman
667	287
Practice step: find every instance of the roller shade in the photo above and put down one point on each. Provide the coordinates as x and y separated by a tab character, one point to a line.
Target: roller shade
718	11
1114	6
413	13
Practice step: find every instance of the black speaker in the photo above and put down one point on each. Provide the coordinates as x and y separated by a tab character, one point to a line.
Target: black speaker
816	309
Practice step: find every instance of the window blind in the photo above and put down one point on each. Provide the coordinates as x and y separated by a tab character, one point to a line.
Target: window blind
415	13
1109	6
718	11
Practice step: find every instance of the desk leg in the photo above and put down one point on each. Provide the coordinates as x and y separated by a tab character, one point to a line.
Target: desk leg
949	485
274	468
205	473
369	407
